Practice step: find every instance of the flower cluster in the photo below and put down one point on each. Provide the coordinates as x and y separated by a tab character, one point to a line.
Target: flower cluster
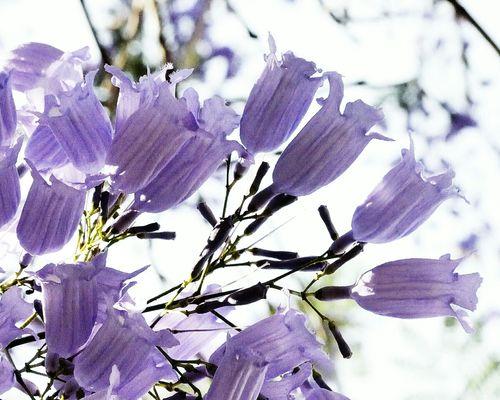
95	175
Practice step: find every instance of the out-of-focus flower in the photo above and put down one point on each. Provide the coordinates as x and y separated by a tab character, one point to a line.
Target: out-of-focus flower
10	193
152	127
8	117
196	333
124	343
278	101
39	69
13	310
459	121
401	202
328	144
50	214
413	288
73	295
197	159
278	345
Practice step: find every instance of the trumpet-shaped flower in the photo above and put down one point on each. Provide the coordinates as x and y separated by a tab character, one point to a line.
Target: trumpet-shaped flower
278	101
125	345
73	294
401	202
413	288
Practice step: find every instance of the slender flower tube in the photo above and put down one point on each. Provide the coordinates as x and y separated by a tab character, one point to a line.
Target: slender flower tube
240	376
126	343
281	342
10	193
413	288
13	310
327	145
8	116
278	101
73	294
401	202
50	215
196	160
79	124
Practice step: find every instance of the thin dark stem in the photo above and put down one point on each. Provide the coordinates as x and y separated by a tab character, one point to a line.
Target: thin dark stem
165	293
225	320
462	12
228	186
181	375
105	56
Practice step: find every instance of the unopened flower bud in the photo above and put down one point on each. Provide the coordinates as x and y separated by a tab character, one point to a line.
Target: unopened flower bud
207	213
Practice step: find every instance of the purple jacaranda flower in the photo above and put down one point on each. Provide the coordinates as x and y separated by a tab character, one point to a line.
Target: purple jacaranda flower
50	214
13	310
8	118
39	69
327	145
44	151
134	95
73	294
124	342
10	192
80	126
150	137
197	159
413	288
240	375
401	202
282	342
278	101
7	379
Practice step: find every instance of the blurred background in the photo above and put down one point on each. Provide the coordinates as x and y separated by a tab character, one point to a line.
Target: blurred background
433	66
